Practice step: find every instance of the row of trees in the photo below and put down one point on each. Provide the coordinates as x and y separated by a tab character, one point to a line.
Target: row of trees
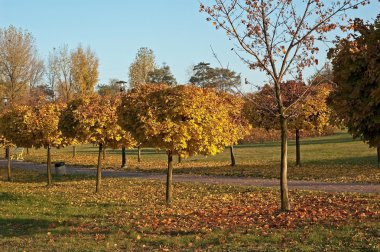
69	74
183	120
145	70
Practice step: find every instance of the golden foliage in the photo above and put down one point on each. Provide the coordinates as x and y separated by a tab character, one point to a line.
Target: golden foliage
14	125
184	119
93	119
84	70
33	126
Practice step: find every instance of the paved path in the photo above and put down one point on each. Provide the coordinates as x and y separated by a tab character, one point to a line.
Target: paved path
241	181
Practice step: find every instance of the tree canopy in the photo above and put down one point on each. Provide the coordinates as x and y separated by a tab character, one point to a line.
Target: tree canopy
143	64
161	75
84	70
222	79
20	66
186	120
114	88
15	125
356	96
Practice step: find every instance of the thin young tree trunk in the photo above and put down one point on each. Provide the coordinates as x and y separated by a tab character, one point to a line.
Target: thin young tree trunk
104	153
138	153
179	159
233	162
6	152
298	149
27	151
169	178
285	206
9	163
74	151
123	158
99	169
49	177
378	157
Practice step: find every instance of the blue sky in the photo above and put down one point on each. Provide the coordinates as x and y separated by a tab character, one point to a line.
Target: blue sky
115	29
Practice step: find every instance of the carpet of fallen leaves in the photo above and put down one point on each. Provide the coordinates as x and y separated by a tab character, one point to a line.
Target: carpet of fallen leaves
258	210
131	214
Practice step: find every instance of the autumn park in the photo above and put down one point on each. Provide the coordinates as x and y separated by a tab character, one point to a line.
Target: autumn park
281	153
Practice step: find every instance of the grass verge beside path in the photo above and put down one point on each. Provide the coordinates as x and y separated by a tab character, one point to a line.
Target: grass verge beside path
130	215
335	158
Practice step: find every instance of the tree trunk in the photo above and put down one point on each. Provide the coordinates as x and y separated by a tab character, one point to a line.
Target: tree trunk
99	169
49	178
138	153
27	151
284	165
9	163
123	158
298	149
233	162
179	159
6	152
74	151
169	178
104	153
378	157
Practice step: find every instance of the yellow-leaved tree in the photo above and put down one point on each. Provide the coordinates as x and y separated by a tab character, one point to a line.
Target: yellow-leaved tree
27	126
93	119
15	129
43	124
239	125
313	114
183	120
84	70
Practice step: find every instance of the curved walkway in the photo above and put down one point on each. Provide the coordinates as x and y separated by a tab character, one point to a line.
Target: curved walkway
240	181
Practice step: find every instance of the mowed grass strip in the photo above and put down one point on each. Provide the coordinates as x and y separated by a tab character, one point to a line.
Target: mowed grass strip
336	158
130	215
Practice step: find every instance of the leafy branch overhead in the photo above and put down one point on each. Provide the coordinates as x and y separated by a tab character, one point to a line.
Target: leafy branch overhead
280	37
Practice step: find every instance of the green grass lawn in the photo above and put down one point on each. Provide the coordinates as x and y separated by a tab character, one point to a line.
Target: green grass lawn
335	158
130	215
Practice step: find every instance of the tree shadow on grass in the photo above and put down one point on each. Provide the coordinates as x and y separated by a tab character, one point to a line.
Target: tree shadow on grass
23	226
4	196
25	176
